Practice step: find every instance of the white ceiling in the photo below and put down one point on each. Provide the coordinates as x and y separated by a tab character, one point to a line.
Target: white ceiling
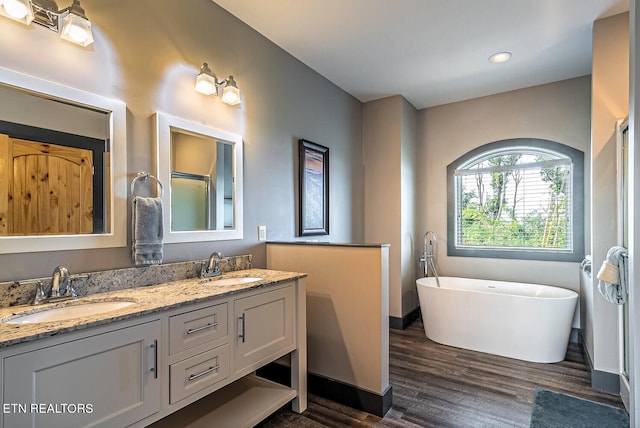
432	52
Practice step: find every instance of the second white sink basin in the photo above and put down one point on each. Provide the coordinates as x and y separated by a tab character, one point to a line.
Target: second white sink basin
230	281
67	312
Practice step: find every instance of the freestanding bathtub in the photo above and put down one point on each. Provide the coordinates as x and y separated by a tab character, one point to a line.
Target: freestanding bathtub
525	321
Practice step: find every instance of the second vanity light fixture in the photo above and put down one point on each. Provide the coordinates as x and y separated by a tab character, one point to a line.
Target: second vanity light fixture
207	83
70	23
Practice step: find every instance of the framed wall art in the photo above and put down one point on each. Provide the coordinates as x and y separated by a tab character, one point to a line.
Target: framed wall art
314	189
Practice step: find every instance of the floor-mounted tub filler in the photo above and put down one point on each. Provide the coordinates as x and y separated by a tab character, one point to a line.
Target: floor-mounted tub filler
525	321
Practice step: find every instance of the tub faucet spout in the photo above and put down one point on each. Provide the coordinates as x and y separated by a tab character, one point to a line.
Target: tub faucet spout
428	255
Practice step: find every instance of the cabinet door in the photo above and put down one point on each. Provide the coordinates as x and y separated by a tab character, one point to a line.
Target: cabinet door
106	380
265	328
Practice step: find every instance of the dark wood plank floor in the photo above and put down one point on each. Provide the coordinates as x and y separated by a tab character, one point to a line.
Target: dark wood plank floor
440	386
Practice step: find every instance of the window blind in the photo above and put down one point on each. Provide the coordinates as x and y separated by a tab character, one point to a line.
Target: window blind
519	201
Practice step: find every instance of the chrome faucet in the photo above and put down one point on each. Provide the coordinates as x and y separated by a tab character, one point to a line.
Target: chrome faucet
60	281
61	288
212	267
428	255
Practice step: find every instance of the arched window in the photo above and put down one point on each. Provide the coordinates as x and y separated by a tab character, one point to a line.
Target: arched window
521	198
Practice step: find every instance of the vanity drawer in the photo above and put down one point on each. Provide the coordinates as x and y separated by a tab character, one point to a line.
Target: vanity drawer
198	372
194	328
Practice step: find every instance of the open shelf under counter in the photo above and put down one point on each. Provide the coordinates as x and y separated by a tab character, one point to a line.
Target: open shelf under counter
243	403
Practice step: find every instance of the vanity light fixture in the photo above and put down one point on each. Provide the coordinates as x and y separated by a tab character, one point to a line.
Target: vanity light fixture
499	57
207	83
70	23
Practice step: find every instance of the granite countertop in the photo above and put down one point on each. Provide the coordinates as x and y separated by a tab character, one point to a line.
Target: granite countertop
148	299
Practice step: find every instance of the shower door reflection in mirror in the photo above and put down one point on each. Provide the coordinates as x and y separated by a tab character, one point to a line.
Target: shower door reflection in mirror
190	202
204	167
201	182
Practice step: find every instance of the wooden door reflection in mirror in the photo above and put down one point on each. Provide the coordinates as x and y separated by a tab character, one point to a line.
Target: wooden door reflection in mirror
46	189
63	182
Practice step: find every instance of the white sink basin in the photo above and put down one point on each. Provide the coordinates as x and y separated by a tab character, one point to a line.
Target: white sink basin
229	281
67	312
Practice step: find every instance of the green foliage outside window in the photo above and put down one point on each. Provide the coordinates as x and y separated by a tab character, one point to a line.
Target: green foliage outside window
515	200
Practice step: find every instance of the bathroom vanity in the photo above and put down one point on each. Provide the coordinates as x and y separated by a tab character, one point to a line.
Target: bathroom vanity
190	344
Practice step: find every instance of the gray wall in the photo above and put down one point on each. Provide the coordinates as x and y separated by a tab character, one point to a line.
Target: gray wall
147	53
558	111
389	134
410	238
382	128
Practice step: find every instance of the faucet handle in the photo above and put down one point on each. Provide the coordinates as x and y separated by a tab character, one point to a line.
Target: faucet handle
71	292
204	270
40	294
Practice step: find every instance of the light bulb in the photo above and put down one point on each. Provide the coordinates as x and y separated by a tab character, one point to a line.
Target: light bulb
500	57
205	85
206	81
77	35
231	93
18	10
76	28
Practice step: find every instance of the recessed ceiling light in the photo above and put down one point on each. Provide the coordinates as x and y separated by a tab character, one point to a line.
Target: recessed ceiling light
499	57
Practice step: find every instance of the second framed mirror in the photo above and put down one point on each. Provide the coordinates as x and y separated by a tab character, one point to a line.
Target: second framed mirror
203	169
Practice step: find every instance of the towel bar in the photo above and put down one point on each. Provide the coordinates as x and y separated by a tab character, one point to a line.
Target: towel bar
145	176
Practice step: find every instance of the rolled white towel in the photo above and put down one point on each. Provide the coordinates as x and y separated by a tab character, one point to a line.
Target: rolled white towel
612	276
609	273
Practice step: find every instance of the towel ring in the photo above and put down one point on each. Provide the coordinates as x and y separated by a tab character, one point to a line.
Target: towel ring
145	176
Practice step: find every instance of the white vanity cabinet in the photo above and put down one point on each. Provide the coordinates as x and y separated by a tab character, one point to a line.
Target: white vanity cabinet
211	383
105	380
190	365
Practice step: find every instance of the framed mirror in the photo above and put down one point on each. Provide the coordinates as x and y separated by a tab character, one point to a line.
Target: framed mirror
62	167
203	169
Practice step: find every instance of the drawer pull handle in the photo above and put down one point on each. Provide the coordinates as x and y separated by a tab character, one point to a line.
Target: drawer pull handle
242	335
207	371
154	369
204	327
